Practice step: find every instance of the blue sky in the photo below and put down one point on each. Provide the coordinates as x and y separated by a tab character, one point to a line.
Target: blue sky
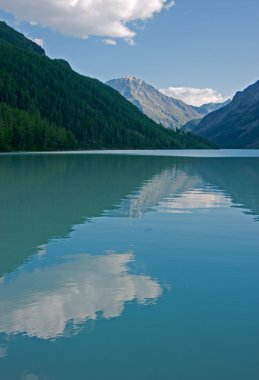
195	43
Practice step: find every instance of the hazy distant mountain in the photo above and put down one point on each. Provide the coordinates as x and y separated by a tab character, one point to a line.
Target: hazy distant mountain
191	125
235	125
211	107
165	110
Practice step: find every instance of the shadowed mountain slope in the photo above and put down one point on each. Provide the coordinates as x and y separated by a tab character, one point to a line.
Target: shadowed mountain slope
235	125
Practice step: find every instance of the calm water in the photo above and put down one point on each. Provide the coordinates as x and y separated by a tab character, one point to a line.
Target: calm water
129	267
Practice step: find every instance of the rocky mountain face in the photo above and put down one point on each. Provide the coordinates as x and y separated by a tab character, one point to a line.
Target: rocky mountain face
235	125
165	110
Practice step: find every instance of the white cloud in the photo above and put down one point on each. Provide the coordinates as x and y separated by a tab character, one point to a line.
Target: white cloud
81	18
110	42
75	292
194	96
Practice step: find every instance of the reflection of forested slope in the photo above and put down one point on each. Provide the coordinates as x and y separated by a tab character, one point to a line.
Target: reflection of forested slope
45	195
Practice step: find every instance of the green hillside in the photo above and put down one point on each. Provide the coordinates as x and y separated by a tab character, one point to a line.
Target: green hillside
45	105
7	34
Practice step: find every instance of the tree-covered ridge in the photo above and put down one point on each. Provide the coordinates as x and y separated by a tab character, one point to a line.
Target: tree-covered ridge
8	34
49	91
23	131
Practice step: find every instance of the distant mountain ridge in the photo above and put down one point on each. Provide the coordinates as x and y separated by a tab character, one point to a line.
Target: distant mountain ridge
237	124
165	110
45	105
211	107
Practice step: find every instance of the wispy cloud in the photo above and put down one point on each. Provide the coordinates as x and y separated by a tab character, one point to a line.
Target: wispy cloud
82	18
194	96
109	41
170	4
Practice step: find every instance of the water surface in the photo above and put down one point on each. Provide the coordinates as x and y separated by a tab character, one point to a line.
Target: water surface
129	266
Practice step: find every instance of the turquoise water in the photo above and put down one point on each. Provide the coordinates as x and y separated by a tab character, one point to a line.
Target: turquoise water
129	266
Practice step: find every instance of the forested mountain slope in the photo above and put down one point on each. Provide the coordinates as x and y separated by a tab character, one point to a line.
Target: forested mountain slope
45	105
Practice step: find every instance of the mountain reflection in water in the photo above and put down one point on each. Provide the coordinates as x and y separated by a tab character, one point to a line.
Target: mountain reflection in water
44	196
171	191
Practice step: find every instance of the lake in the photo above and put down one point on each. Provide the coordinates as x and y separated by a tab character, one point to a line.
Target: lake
129	265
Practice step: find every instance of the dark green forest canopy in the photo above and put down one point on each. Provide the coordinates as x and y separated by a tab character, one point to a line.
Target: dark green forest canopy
45	105
7	34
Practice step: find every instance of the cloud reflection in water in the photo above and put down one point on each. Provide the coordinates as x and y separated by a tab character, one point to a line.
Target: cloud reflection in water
42	302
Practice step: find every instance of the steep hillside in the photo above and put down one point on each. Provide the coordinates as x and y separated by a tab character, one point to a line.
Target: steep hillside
169	112
237	124
9	35
81	112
